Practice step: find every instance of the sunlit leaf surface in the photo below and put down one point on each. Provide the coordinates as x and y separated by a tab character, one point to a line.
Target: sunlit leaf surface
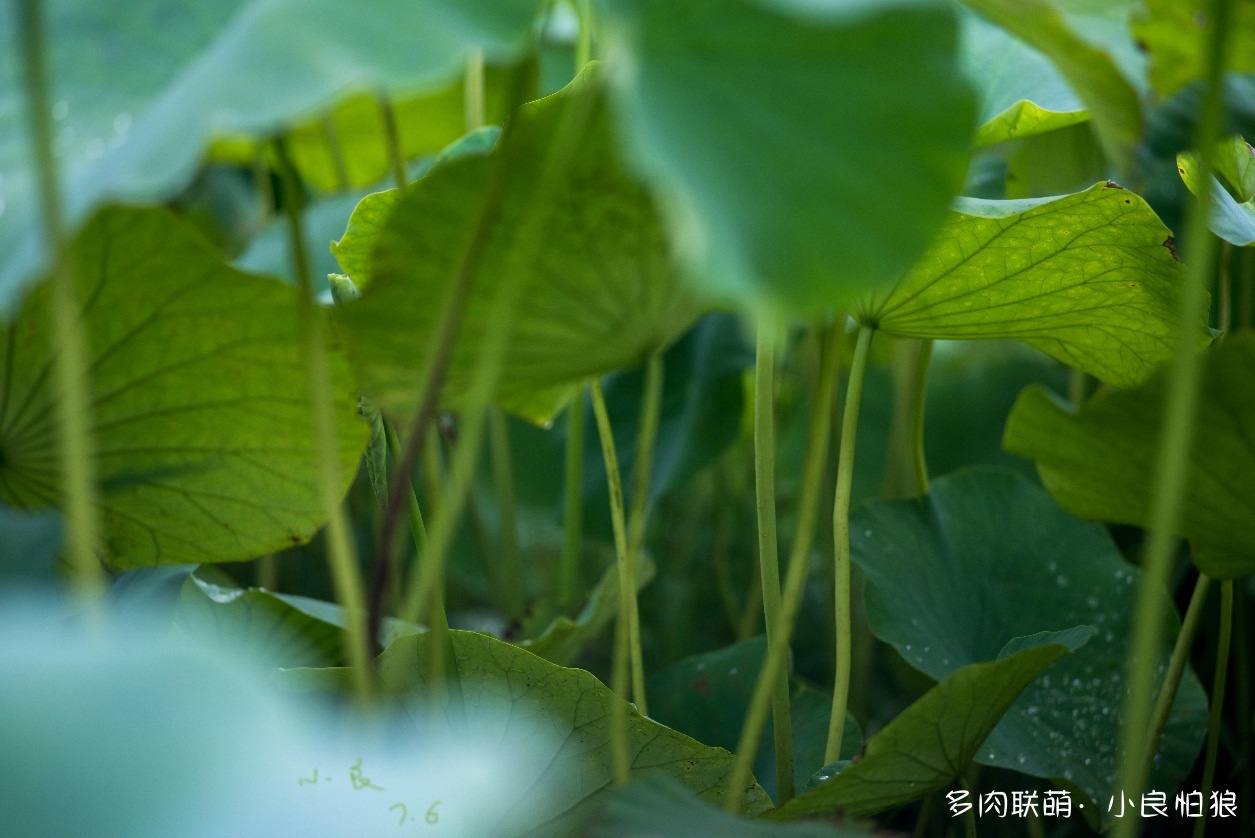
1091	279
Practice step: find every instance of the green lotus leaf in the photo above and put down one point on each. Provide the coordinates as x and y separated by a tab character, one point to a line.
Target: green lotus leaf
1231	218
599	293
1172	32
561	716
781	136
1091	279
931	743
989	557
141	90
1100	462
1093	70
200	404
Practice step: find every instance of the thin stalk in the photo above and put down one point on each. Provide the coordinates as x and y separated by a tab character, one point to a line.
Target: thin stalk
619	677
646	435
335	152
473	92
573	486
267	573
491	358
440	353
969	816
919	404
1216	714
1078	386
433	470
618	722
261	182
1176	667
584	46
1244	678
818	438
747	625
392	140
503	482
841	539
768	547
1225	290
418	527
70	350
1181	399
1246	289
341	556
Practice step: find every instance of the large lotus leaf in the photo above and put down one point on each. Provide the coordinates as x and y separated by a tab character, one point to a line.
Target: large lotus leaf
200	404
140	90
1093	70
707	696
561	719
657	808
1231	218
783	136
1100	462
1091	279
989	557
360	230
599	293
1021	93
931	743
1173	33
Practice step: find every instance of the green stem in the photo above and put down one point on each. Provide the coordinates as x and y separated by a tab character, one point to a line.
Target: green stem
392	140
1176	668
584	46
841	539
1244	711
74	402
573	523
492	350
638	517
919	402
619	676
418	527
473	93
1216	714
768	548
627	601
341	555
1078	386
261	182
335	152
267	573
1246	289
819	436
1181	400
1225	290
969	816
503	480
